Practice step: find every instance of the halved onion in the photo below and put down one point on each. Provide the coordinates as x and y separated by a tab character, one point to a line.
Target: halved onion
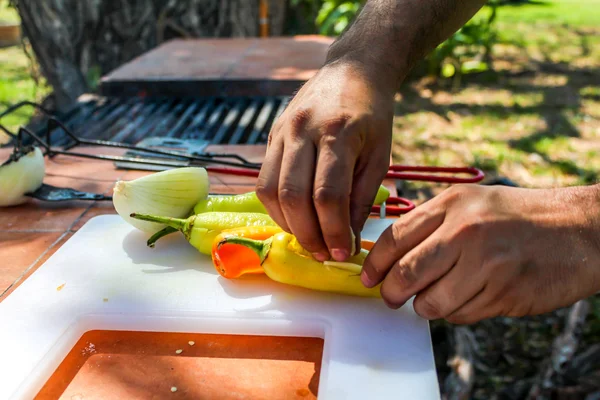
170	193
21	176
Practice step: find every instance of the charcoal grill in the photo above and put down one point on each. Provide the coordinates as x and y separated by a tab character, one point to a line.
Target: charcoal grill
210	120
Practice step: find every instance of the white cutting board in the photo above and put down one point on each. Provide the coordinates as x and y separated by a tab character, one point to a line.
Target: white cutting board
369	351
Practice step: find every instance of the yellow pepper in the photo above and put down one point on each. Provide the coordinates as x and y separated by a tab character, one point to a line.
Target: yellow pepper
285	261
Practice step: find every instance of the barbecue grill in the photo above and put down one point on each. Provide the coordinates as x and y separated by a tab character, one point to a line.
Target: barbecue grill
208	120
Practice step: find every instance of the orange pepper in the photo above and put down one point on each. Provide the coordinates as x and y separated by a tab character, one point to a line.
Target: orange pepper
234	260
366	244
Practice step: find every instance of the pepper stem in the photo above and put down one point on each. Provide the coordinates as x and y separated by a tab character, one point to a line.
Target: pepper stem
260	247
163	232
176	223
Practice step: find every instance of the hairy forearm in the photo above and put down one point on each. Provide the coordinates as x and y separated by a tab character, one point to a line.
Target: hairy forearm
593	216
390	36
580	214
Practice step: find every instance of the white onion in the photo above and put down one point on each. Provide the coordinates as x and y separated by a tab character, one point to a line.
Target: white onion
171	193
20	177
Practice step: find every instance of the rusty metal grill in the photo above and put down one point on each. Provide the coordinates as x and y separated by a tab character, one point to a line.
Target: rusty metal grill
216	120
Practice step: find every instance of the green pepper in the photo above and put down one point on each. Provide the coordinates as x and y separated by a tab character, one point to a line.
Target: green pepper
246	202
249	202
201	229
382	195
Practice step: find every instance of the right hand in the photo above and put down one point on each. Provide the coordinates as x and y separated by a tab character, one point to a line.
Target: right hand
476	252
327	155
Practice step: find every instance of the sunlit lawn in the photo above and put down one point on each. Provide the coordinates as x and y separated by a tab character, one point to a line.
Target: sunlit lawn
16	82
536	119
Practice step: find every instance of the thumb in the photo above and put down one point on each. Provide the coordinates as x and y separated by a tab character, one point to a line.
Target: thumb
359	214
361	203
368	175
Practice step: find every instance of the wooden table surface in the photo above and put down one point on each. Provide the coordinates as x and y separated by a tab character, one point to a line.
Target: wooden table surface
32	232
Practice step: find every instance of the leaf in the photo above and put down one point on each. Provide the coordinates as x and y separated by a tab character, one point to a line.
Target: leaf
326	29
326	9
448	70
473	66
349	7
334	16
341	24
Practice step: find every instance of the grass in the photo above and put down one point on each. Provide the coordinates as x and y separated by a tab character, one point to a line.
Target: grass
17	84
535	119
555	12
16	79
8	14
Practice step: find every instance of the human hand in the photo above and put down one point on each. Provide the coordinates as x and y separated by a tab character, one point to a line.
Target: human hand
476	252
327	155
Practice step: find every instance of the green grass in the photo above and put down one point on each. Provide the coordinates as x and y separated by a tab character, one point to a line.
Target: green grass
8	14
17	84
16	81
578	13
540	129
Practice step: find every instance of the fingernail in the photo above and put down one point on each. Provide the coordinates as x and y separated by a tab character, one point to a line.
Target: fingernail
392	305
365	279
339	254
320	257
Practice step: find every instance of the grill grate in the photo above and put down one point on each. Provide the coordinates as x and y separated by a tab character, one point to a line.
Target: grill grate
217	120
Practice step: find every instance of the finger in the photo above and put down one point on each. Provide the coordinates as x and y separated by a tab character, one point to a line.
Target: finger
268	182
498	297
419	268
453	290
333	183
476	309
295	196
398	239
364	190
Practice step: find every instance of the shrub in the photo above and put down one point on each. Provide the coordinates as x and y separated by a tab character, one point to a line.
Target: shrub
467	51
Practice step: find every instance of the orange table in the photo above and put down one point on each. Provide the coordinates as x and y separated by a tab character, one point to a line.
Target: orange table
132	365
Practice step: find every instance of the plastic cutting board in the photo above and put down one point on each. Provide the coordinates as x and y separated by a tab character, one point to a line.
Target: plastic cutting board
369	350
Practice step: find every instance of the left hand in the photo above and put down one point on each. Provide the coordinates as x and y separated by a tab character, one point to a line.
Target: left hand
476	252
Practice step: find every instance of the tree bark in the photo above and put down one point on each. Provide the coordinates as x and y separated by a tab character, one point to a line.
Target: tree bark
77	41
277	13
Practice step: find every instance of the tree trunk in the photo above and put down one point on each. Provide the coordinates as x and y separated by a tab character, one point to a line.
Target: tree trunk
277	12
77	41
